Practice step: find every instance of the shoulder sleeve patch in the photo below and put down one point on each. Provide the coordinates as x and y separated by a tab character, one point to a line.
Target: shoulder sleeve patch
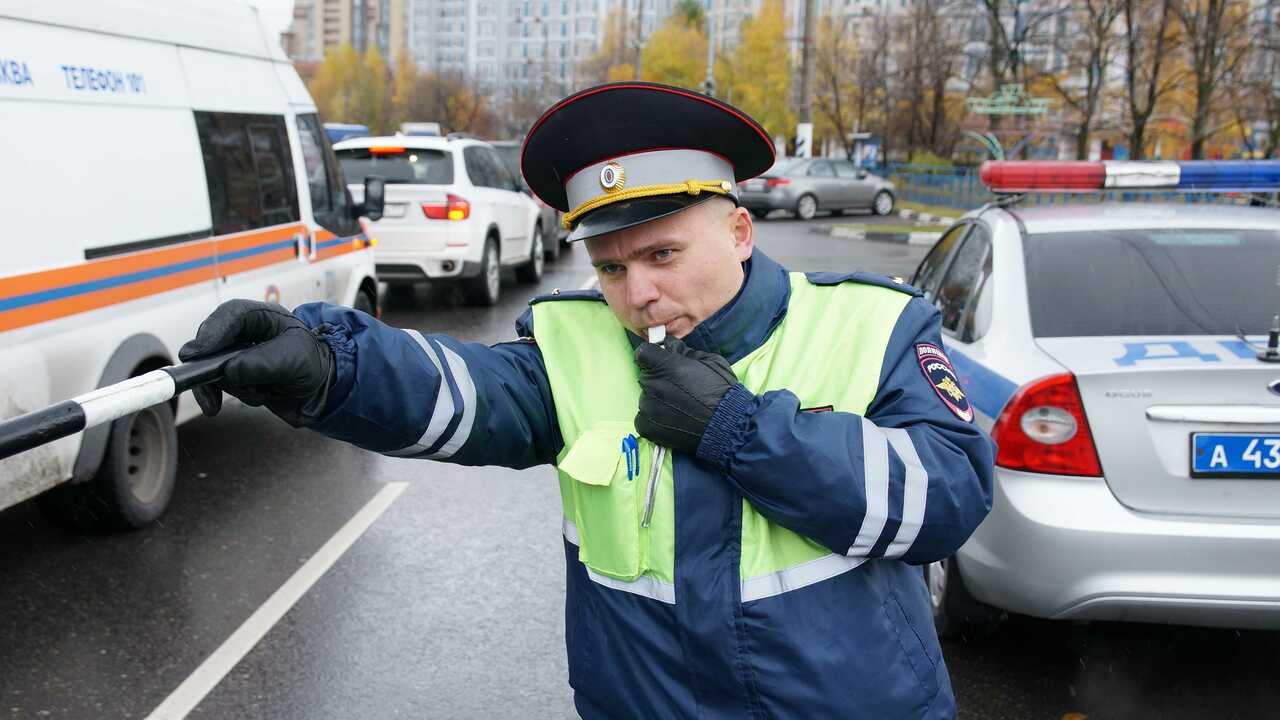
558	294
863	278
942	377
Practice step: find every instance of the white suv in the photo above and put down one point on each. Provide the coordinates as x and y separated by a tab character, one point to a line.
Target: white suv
453	213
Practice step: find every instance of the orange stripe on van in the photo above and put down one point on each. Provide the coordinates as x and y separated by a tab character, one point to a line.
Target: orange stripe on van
55	309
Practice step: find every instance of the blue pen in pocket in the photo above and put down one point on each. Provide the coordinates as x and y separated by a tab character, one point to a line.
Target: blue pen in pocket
631	450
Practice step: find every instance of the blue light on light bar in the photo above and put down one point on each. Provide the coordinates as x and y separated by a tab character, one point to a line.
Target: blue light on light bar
1229	175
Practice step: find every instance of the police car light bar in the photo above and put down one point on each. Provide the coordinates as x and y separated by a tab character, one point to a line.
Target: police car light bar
1016	176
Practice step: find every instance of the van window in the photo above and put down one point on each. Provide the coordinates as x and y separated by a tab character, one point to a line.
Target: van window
330	202
248	169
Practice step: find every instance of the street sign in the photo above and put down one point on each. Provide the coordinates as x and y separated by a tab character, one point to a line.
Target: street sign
1008	100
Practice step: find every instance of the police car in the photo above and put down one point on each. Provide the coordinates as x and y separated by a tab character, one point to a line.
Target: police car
1117	353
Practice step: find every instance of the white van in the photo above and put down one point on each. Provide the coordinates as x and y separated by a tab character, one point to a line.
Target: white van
156	159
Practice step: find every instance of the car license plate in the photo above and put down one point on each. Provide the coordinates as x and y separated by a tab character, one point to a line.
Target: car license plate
1235	455
393	210
755	186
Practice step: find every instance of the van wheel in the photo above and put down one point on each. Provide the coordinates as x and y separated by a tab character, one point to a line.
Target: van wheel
955	611
531	271
134	483
486	287
364	303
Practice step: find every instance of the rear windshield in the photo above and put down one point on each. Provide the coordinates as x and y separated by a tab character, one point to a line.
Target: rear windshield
1153	282
417	167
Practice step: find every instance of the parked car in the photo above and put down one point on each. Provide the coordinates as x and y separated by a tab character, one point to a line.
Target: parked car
509	151
453	213
1138	470
807	186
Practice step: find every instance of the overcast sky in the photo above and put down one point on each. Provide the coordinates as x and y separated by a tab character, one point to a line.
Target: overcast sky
276	13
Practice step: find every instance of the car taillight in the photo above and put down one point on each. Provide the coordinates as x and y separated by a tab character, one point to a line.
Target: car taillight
1043	429
453	208
775	182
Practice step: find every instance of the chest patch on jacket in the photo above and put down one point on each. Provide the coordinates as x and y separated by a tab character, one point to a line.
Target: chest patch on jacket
819	409
938	371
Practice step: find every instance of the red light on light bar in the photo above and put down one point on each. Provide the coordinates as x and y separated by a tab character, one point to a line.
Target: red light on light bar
1049	175
385	150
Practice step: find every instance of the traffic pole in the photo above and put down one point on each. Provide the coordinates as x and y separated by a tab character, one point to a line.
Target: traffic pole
106	404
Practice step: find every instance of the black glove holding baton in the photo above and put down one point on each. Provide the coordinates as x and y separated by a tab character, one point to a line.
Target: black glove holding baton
284	366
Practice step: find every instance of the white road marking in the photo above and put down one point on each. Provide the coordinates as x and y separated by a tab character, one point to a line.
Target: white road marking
215	667
591	282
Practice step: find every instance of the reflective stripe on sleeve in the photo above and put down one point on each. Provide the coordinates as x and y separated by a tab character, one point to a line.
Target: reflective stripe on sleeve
913	494
442	414
465	385
875	480
645	585
794	578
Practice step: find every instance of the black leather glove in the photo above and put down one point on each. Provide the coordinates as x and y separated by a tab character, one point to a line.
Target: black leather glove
284	366
680	389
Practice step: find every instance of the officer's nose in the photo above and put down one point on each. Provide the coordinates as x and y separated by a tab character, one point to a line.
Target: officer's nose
641	289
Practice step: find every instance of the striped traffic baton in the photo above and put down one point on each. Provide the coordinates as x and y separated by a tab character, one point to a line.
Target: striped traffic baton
106	404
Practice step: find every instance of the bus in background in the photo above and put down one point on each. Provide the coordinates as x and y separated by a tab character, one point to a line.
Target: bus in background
207	176
338	132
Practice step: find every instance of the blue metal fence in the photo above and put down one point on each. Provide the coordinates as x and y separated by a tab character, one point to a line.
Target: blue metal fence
959	188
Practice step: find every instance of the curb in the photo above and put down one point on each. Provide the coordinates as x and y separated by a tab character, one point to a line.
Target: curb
850	233
924	217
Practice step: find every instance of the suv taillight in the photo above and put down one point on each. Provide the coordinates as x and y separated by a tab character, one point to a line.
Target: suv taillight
453	208
1043	429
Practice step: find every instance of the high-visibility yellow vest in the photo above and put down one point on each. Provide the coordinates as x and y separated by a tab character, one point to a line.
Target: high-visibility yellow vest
827	350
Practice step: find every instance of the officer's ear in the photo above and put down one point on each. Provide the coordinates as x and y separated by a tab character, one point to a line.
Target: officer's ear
742	230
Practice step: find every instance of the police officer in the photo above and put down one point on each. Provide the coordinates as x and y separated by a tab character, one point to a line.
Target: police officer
746	502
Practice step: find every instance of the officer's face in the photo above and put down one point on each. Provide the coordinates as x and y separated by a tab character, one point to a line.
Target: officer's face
675	271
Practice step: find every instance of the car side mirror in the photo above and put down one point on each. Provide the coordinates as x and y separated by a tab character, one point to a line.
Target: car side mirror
375	197
862	173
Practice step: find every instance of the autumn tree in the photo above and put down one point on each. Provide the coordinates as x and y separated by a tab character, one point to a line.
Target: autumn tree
1089	48
759	79
373	98
610	61
1149	40
667	53
930	114
452	100
334	87
402	82
1216	43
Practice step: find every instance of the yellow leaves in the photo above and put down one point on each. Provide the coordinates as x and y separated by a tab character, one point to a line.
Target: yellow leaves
351	88
757	78
676	53
617	73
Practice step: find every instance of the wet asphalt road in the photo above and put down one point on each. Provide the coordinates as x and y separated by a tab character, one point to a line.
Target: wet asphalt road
451	604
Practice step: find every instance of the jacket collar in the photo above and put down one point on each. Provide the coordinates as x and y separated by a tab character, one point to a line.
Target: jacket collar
749	318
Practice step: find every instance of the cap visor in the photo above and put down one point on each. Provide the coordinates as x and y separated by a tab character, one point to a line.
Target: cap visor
619	216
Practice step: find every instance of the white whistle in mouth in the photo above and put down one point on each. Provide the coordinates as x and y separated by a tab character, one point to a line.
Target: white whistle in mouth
657	334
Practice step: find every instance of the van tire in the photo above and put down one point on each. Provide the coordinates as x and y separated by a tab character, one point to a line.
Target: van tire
132	487
531	271
482	290
363	303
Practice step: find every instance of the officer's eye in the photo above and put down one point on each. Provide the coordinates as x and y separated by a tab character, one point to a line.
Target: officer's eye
611	268
663	254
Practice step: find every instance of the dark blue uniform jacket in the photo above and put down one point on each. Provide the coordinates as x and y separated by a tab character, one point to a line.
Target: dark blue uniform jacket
860	644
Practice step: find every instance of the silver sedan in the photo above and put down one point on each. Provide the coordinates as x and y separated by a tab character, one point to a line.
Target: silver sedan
1138	471
806	186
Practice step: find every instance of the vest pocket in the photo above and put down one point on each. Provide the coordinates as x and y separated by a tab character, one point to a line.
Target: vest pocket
606	504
